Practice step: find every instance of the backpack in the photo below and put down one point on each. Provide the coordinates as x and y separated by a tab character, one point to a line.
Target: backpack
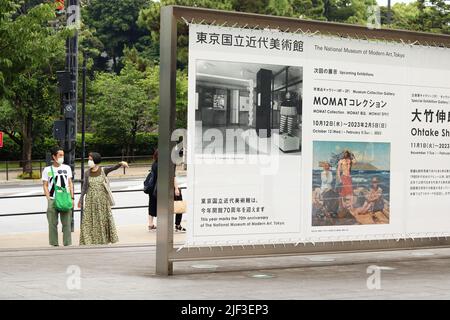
149	183
63	199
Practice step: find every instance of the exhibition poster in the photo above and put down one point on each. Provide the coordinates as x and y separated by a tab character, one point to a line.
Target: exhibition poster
297	138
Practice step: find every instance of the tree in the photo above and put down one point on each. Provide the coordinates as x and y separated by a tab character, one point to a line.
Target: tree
30	53
114	22
430	16
124	104
279	8
434	16
149	18
404	16
312	9
256	6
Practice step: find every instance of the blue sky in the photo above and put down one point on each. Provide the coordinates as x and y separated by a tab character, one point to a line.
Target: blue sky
377	154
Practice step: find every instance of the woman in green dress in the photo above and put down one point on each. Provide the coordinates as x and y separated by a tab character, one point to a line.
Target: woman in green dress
97	226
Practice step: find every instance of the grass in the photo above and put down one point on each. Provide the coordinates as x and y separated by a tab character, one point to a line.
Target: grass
35	175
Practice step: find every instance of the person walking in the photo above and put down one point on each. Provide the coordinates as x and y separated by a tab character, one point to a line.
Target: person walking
152	206
58	175
97	226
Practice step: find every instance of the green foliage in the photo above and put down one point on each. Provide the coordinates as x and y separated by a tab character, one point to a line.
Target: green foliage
114	22
34	175
149	19
10	150
121	105
125	104
146	143
30	53
308	9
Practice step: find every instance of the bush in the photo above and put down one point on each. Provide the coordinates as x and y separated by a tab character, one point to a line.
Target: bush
146	143
10	150
35	175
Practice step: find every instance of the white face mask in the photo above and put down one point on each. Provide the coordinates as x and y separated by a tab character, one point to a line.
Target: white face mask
91	164
61	160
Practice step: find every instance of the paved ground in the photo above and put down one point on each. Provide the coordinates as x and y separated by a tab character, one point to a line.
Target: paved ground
128	273
128	234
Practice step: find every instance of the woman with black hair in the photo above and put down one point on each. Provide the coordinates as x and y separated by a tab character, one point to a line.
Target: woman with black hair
98	225
152	205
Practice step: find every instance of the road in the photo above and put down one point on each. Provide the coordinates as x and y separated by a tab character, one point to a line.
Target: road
38	223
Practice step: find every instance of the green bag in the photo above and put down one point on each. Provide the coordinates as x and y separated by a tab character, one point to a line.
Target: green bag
63	199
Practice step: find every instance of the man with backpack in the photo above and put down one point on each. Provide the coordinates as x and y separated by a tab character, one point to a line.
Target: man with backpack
58	189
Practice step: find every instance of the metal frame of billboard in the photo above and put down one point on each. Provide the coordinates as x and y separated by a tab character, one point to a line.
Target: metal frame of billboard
166	254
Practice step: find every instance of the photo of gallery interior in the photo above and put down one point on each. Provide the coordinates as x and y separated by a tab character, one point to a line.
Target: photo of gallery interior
264	101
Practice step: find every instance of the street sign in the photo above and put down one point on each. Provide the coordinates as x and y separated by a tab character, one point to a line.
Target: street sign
1	139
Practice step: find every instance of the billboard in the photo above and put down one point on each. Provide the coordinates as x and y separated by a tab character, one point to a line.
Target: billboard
309	138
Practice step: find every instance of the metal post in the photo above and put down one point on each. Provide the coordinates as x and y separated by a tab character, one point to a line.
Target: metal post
7	171
83	129
70	99
165	183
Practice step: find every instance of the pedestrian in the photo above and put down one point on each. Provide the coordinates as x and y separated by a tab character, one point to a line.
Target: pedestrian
58	176
97	226
152	206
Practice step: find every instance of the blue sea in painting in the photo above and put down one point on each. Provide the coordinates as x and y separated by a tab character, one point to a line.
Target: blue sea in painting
360	178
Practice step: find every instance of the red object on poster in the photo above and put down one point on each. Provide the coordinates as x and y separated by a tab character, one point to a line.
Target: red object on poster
1	139
60	5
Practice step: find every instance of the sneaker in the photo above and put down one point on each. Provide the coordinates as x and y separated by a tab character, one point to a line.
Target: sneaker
180	229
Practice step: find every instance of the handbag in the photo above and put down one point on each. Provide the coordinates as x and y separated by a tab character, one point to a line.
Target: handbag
149	183
108	189
62	198
179	205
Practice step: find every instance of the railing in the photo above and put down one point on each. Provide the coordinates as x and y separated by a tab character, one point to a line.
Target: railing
76	210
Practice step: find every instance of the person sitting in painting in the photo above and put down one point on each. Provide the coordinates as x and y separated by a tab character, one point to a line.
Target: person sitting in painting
326	178
325	198
373	209
374	199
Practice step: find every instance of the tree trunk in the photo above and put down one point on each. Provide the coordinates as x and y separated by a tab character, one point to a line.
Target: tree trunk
132	142
127	156
27	144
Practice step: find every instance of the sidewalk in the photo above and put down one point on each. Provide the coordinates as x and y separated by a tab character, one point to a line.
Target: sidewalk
130	234
128	273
